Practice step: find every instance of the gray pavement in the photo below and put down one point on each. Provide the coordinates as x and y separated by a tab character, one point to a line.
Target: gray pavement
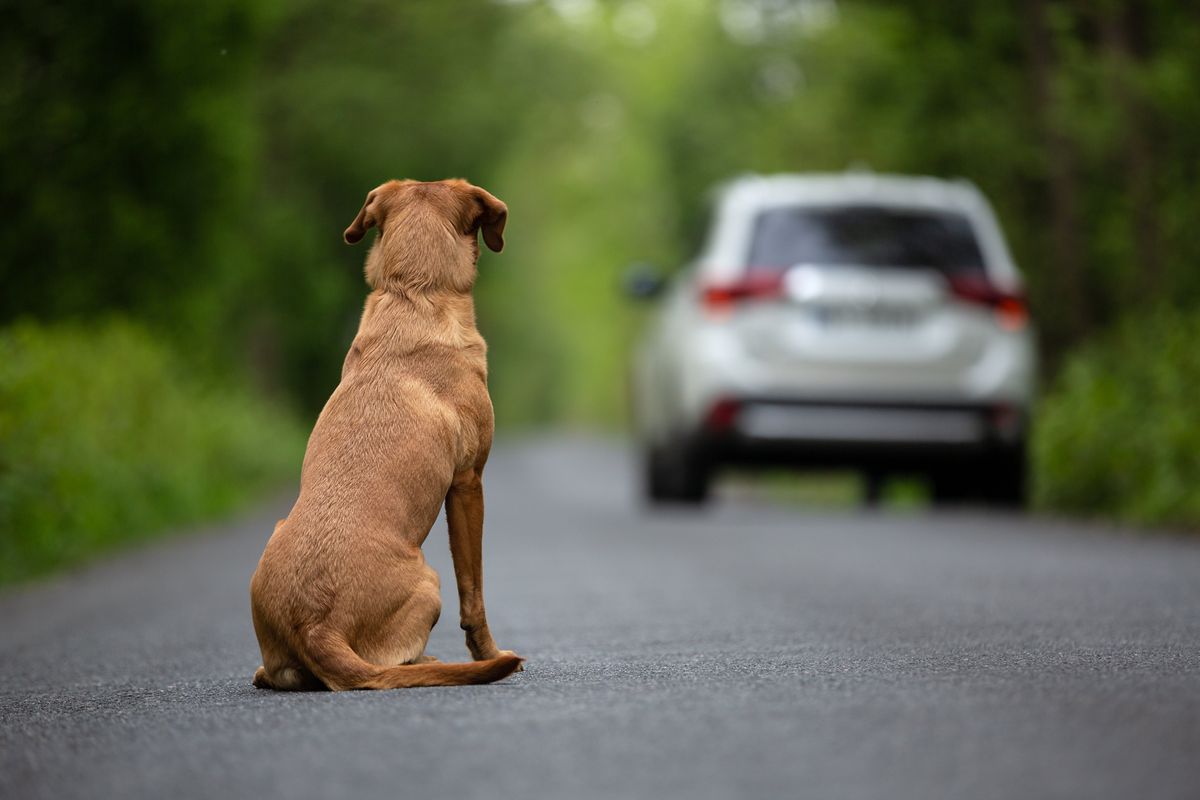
754	650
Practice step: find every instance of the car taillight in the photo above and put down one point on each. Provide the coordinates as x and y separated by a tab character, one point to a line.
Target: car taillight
720	298
1010	308
1007	421
722	415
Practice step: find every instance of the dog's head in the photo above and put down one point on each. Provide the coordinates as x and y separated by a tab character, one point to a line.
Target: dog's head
428	231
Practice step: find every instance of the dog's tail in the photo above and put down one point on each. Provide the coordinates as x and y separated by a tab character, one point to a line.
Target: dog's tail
331	659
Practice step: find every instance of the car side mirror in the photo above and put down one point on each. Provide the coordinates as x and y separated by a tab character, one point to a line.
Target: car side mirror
643	282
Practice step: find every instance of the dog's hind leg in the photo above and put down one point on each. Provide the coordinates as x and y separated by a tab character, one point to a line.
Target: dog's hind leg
261	681
292	678
402	638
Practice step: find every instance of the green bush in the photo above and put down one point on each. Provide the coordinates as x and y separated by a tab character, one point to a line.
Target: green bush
107	437
1119	434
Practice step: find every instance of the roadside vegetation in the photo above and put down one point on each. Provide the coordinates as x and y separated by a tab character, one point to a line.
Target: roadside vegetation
192	172
1119	432
108	438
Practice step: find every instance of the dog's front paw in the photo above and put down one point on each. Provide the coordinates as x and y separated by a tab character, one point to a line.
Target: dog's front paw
502	653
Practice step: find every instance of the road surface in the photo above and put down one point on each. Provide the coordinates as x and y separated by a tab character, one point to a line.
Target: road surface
751	651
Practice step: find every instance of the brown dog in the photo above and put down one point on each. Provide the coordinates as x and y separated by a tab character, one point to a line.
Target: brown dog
342	597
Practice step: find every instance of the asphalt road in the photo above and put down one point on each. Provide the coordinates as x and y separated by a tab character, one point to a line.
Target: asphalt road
751	651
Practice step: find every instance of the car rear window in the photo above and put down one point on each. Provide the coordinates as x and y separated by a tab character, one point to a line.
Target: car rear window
862	235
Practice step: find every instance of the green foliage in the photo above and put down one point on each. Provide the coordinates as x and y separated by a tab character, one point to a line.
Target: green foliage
128	148
108	437
1119	433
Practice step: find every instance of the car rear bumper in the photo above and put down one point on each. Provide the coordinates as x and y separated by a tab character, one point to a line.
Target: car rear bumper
855	434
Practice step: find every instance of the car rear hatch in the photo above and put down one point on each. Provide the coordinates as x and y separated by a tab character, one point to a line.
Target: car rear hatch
862	301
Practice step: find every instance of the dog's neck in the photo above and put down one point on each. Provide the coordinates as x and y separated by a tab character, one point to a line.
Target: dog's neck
399	321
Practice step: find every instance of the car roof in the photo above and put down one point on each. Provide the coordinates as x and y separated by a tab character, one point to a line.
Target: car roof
850	187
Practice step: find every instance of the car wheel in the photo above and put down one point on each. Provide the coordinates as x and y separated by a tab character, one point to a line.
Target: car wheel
676	474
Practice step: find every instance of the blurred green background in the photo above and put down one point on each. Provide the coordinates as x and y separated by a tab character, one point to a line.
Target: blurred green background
175	297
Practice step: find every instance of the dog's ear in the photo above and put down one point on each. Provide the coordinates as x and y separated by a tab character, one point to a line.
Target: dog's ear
365	219
488	215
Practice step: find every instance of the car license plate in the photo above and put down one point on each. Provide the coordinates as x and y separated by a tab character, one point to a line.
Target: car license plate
880	316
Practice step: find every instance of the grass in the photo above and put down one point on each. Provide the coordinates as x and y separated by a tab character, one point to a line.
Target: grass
832	489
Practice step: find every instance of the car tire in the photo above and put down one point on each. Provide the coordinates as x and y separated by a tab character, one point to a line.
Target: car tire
677	474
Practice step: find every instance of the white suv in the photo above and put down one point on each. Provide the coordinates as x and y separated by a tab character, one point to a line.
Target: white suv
864	321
